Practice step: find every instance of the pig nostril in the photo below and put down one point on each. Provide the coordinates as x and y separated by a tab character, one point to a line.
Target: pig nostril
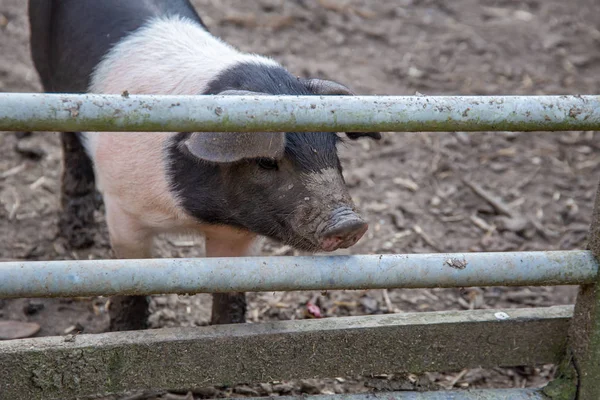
347	229
344	234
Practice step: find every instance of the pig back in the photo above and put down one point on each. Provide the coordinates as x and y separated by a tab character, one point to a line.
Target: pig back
70	37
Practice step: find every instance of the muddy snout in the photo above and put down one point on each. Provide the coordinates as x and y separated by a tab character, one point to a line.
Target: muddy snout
347	229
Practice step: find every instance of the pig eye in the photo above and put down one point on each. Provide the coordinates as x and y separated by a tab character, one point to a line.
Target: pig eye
268	164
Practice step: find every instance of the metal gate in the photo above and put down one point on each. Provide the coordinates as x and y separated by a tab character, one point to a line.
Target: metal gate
181	358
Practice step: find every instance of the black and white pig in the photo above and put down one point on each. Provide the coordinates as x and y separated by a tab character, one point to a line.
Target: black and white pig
232	188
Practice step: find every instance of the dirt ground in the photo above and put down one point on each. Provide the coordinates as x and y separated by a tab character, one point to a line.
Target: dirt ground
411	187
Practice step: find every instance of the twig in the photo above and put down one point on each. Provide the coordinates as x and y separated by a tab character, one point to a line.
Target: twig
407	184
457	378
182	242
482	224
13	171
39	182
283	251
16	205
388	301
495	202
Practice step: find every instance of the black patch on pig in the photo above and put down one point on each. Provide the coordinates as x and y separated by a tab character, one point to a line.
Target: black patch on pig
223	193
310	151
70	37
197	184
257	77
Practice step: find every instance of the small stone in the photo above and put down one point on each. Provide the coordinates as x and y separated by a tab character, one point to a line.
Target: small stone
523	15
160	301
10	330
266	388
246	391
369	304
168	314
70	338
172	300
310	386
415	72
502	316
514	224
398	219
283	388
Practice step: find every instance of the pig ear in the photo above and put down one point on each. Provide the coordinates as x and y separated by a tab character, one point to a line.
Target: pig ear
357	135
328	88
226	147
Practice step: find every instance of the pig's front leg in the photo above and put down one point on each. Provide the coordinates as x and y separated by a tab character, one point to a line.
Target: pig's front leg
78	194
129	240
229	308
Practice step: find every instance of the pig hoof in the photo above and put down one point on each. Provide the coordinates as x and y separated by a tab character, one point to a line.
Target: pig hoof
228	308
128	313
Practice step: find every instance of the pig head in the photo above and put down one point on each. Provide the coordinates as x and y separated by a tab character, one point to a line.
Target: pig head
287	186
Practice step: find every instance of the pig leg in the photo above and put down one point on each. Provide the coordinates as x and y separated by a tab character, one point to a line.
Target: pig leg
79	196
129	240
229	308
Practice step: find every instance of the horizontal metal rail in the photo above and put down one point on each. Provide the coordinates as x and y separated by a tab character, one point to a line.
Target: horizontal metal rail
183	358
62	112
207	275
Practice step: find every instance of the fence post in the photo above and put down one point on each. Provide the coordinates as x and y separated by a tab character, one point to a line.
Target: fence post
579	374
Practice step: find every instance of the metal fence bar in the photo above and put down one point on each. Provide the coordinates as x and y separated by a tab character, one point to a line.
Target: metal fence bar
153	276
185	358
61	112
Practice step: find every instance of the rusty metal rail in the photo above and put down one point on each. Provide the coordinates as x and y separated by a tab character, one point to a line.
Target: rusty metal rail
93	112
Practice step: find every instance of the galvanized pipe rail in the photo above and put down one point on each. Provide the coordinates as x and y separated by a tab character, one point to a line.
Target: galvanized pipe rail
52	368
145	113
72	278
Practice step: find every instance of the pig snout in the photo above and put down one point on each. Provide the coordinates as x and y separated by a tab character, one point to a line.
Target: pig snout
347	229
